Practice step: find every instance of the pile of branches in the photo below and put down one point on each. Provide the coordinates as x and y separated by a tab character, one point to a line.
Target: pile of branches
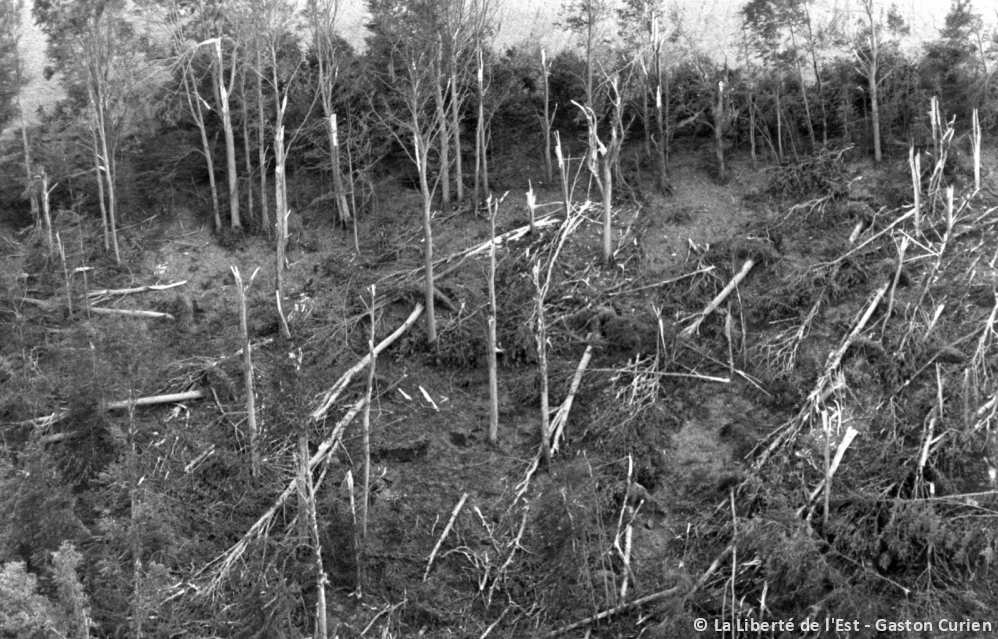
823	173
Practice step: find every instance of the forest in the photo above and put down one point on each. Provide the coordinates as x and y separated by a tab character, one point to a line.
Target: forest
305	333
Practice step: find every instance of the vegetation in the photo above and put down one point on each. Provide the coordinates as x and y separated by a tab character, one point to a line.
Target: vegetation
756	381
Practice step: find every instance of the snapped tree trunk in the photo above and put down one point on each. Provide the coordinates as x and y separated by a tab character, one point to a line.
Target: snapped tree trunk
421	154
248	369
719	124
341	195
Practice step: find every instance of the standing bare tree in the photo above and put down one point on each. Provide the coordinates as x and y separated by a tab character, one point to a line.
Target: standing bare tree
321	15
223	90
868	57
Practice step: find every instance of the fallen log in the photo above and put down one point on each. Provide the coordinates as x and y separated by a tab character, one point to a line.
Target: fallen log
59	415
97	310
337	389
723	295
107	292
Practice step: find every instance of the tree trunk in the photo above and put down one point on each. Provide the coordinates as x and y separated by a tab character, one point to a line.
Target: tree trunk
35	212
366	446
246	144
281	213
248	370
100	196
872	65
719	124
542	359
198	114
230	138
109	170
307	511
45	207
341	194
138	612
779	124
444	131
261	140
545	76
817	75
456	130
492	343
803	92
421	155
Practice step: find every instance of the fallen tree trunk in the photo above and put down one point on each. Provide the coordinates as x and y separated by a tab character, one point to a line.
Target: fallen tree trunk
337	389
52	306
226	561
59	415
138	289
723	295
96	310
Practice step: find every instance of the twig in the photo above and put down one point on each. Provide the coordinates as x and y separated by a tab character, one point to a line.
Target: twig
509	559
443	535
